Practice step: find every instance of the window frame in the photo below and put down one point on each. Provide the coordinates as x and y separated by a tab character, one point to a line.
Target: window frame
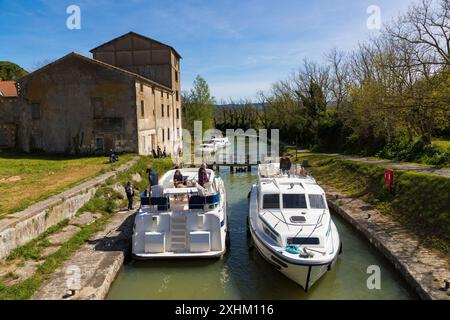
142	109
98	102
36	111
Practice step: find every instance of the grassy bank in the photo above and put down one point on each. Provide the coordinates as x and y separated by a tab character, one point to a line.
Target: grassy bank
27	178
419	201
106	201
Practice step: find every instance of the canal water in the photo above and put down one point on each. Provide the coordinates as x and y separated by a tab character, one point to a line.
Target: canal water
243	274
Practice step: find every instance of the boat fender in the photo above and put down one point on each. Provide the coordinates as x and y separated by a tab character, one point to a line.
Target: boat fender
293	249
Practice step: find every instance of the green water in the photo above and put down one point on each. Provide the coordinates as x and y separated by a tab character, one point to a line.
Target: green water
243	274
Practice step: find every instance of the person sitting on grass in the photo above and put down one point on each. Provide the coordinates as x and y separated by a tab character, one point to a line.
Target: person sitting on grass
113	157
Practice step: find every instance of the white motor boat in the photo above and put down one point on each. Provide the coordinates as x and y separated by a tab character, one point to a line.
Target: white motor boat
186	222
291	225
207	148
210	147
221	143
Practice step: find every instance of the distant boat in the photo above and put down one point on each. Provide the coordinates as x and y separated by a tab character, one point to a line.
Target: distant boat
221	143
189	222
210	147
291	225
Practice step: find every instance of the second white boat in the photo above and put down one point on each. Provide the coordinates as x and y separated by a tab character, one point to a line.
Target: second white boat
291	225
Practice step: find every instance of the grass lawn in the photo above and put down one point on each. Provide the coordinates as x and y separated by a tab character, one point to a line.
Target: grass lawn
106	202
26	178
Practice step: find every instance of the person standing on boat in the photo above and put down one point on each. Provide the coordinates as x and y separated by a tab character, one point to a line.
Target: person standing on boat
130	195
202	175
285	164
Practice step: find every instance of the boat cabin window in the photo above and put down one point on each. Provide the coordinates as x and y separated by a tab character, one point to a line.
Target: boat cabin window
294	201
271	201
316	201
303	241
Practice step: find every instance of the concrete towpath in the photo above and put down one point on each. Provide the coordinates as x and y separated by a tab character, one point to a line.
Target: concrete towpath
93	268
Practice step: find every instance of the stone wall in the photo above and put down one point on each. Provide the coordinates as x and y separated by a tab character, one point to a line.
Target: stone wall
9	118
424	269
77	105
19	228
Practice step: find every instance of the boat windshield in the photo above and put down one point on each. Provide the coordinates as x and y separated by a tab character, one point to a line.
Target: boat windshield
271	201
294	201
316	201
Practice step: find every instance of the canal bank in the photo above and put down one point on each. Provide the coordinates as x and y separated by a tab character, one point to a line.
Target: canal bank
408	225
19	228
37	268
424	269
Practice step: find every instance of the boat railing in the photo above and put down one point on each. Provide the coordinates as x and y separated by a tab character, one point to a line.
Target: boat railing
269	172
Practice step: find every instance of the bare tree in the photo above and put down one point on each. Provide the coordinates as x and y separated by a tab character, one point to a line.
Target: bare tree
426	26
339	76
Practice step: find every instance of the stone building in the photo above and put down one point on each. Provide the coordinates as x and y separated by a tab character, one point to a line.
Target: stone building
126	98
9	114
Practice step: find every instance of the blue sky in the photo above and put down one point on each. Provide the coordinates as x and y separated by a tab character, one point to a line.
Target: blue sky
238	46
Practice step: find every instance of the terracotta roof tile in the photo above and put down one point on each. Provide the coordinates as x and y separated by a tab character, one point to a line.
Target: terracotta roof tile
8	89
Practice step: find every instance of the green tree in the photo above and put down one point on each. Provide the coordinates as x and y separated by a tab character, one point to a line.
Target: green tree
11	71
198	105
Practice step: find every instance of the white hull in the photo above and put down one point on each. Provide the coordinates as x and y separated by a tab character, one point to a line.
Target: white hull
182	223
174	255
305	275
272	229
